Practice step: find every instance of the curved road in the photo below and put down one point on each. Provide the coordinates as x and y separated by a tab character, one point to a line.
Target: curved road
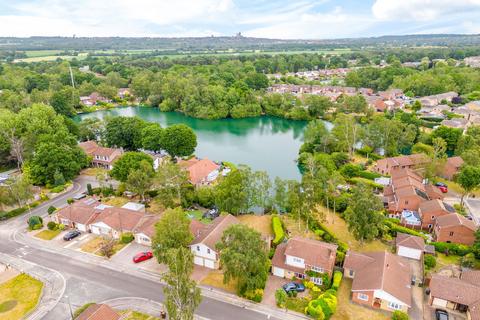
88	282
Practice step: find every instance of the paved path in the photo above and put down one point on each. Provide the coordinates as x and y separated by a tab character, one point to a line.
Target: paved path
89	278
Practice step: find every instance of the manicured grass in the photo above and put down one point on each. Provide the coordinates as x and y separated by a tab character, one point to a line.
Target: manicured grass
19	296
215	279
197	215
41	53
93	171
135	315
347	310
445	261
262	224
48	234
80	56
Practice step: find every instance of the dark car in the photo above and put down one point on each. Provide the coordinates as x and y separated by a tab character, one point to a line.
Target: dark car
441	315
441	184
142	256
71	235
293	286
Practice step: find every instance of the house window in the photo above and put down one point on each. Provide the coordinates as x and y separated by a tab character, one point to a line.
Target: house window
208	251
451	233
317	281
429	226
298	260
198	248
351	273
362	296
394	306
299	275
318	269
406	201
433	217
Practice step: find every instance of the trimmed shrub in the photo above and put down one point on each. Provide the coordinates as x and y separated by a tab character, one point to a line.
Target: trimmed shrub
35	221
70	201
127	237
452	248
350	170
369	175
52	225
337	279
61	226
89	189
339	258
429	261
323	307
51	209
277	230
468	261
254	295
280	298
399	315
394	228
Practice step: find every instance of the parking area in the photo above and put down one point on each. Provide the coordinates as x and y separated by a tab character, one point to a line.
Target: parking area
273	284
126	255
452	315
473	206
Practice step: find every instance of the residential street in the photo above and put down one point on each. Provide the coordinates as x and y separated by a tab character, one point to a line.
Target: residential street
87	282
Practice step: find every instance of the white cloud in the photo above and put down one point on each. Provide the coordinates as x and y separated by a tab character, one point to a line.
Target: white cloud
421	10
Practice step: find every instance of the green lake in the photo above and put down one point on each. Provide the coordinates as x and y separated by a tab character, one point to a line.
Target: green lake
263	143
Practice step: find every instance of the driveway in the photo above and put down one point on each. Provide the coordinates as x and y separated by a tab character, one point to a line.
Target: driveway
416	312
273	284
125	256
452	315
473	206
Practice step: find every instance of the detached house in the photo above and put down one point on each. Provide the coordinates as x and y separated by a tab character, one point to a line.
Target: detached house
454	228
388	165
200	171
206	237
381	280
459	294
300	255
102	157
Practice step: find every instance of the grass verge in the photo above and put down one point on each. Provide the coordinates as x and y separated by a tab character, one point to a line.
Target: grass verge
48	234
19	296
215	279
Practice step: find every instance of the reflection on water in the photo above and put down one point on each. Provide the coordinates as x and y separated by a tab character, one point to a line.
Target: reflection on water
263	143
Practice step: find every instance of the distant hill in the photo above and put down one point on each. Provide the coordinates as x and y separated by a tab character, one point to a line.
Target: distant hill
231	43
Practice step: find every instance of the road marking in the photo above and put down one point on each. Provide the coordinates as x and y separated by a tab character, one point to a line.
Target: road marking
70	244
83	237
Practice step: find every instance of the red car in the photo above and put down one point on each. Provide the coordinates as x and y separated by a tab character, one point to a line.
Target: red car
142	256
442	186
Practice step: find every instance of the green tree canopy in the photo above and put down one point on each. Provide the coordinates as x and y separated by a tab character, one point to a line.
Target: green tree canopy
179	140
129	162
124	132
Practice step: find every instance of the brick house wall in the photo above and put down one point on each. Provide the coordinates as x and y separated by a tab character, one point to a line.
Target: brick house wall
456	234
369	294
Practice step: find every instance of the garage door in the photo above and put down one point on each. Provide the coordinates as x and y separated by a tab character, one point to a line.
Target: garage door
198	261
95	230
81	227
279	272
439	302
409	253
209	263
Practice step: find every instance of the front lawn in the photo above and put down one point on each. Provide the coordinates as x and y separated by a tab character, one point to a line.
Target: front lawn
296	304
262	224
19	296
347	310
48	234
215	279
197	215
115	201
94	245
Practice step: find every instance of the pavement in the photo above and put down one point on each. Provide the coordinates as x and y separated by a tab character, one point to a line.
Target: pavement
88	278
273	284
473	206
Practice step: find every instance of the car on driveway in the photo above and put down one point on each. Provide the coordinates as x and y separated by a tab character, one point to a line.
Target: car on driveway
441	315
71	235
442	186
293	286
142	256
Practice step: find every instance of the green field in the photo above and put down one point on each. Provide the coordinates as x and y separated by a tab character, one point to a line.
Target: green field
40	58
41	53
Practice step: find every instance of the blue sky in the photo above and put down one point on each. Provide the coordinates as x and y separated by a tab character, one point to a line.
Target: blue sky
285	19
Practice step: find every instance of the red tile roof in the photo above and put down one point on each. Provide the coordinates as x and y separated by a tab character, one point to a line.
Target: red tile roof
99	312
385	271
212	233
313	252
452	220
199	169
410	241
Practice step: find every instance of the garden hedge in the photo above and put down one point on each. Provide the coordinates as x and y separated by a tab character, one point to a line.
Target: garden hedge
452	248
337	279
394	228
277	230
127	237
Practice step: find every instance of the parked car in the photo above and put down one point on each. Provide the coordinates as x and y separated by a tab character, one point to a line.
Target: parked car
442	186
142	256
71	235
441	315
293	286
211	214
